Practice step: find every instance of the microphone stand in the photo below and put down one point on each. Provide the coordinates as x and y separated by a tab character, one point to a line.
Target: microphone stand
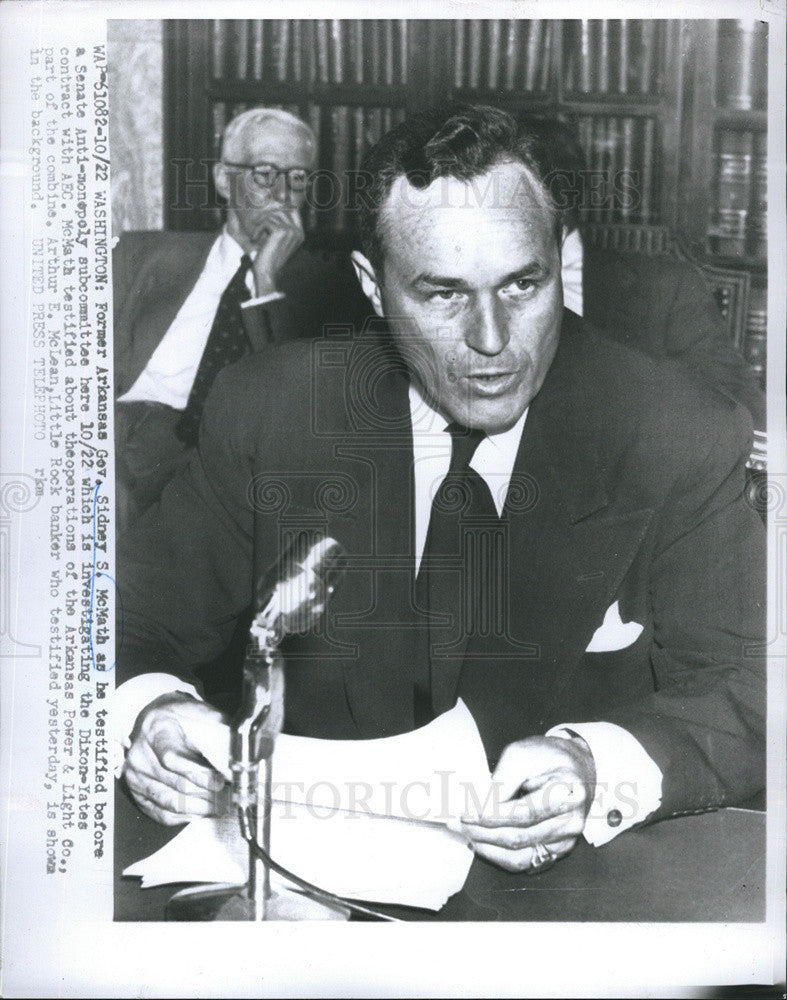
290	599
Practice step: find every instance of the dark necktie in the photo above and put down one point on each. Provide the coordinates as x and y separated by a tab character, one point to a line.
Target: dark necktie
226	342
459	567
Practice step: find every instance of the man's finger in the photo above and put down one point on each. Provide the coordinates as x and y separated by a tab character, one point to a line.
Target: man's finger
142	761
553	799
523	860
515	838
197	774
169	799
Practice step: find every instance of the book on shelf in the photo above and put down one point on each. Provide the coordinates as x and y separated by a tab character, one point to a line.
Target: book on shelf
281	45
758	211
534	49
493	64
733	193
756	333
603	56
742	64
474	59
320	57
257	48
620	152
508	55
546	59
610	56
647	51
623	62
585	57
337	51
627	203
239	61
612	168
217	38
511	53
404	50
646	210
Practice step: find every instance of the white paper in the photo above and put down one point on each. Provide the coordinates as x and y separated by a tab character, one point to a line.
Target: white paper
363	819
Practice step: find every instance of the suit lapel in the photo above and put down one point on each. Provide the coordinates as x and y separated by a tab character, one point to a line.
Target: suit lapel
164	284
383	621
574	539
569	543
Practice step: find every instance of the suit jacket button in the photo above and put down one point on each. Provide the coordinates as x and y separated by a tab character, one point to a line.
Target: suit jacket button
614	817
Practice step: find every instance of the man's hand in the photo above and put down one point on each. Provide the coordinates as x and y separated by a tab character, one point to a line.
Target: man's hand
166	769
543	788
279	238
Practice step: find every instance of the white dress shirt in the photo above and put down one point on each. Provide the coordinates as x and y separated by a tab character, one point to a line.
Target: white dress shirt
170	372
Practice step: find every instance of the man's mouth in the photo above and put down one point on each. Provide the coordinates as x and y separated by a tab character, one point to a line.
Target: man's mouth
493	383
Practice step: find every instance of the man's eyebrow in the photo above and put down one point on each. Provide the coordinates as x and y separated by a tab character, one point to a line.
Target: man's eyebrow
532	270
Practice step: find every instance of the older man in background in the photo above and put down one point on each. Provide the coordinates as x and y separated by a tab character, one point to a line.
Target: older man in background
187	304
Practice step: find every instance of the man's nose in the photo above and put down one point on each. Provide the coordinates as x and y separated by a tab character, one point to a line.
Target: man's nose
281	190
487	329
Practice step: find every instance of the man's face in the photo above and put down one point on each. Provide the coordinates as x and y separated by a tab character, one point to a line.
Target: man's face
251	207
471	287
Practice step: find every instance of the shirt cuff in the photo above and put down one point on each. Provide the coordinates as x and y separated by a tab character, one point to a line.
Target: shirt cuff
628	780
262	299
129	700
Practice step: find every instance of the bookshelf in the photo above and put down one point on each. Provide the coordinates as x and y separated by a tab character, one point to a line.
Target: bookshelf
679	105
352	80
724	192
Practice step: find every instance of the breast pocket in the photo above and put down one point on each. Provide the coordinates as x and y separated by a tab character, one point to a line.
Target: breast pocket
616	676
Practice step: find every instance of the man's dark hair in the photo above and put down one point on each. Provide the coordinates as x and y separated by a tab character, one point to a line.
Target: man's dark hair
459	140
563	159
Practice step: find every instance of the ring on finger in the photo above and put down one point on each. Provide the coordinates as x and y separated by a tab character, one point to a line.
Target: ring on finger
542	856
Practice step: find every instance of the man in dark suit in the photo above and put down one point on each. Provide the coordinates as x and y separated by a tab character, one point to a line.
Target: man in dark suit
168	288
577	563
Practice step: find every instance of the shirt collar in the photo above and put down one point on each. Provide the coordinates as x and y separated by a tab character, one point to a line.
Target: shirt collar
230	251
495	454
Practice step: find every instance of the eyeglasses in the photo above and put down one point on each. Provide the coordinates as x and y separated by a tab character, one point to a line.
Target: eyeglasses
264	175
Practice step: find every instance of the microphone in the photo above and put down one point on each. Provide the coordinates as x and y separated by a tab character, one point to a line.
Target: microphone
290	598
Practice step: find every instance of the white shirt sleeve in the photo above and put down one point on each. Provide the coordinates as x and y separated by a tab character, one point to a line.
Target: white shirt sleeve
628	780
129	700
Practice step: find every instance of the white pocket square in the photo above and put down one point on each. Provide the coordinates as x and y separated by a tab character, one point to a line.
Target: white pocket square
613	633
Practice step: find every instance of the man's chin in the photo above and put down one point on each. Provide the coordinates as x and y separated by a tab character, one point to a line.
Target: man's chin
489	416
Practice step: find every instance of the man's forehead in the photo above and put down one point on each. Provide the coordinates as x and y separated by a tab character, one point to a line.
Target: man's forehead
466	217
504	186
273	140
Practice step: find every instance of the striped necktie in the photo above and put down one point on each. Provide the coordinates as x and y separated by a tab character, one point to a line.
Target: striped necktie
226	342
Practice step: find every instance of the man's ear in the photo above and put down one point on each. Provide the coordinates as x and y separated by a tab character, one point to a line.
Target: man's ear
367	279
221	180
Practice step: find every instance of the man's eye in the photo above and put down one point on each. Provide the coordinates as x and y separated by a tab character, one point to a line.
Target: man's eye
446	294
523	284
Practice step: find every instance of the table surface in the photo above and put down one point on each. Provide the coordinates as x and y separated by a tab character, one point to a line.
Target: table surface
707	867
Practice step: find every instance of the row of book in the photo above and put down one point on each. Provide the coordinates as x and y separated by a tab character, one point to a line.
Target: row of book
513	55
756	331
620	154
742	65
321	50
616	183
739	224
612	57
507	56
